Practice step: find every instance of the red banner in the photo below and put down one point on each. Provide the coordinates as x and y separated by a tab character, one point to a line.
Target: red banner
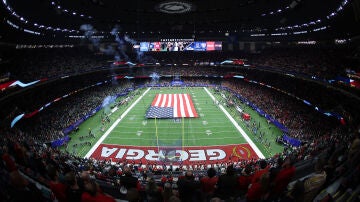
175	155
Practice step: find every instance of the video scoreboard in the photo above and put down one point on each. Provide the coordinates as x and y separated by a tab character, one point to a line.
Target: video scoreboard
179	45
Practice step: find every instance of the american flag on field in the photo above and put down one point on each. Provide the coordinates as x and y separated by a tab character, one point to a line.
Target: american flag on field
171	106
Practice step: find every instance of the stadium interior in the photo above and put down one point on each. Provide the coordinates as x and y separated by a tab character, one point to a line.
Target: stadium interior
172	100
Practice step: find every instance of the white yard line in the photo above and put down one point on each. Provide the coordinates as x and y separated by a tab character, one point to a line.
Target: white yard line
242	132
114	125
174	139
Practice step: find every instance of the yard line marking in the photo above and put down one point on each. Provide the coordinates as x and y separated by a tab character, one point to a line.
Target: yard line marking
207	138
242	132
96	145
173	133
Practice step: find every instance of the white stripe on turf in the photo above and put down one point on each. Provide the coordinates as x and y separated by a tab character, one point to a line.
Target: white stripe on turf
96	145
242	132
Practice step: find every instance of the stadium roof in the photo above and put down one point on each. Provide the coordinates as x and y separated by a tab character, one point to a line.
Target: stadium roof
178	18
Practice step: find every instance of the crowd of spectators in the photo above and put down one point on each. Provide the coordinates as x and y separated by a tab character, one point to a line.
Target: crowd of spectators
315	61
313	129
186	71
52	121
32	64
71	178
321	62
29	167
192	58
303	122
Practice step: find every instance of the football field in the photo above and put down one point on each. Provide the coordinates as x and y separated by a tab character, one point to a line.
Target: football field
217	133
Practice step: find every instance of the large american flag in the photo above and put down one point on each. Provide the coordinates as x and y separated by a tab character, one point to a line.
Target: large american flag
171	106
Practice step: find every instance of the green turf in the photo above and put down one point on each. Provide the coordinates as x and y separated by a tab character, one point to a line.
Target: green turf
211	128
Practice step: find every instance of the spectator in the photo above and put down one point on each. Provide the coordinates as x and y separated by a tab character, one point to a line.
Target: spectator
57	187
188	188
133	195
127	181
167	192
226	187
21	190
313	184
84	178
263	168
208	184
153	191
259	190
296	194
73	191
94	194
245	178
283	178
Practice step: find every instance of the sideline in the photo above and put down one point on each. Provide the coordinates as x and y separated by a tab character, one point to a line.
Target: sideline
91	151
242	132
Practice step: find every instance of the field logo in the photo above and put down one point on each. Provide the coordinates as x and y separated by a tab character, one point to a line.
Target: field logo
241	152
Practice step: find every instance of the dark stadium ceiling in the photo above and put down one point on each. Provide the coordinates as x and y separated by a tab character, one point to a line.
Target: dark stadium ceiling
169	18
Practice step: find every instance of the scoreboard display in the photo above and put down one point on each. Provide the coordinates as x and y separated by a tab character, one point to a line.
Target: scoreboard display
180	46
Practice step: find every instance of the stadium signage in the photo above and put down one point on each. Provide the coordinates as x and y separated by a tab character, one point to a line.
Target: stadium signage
185	155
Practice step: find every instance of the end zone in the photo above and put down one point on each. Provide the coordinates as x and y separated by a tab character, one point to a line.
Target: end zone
175	155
